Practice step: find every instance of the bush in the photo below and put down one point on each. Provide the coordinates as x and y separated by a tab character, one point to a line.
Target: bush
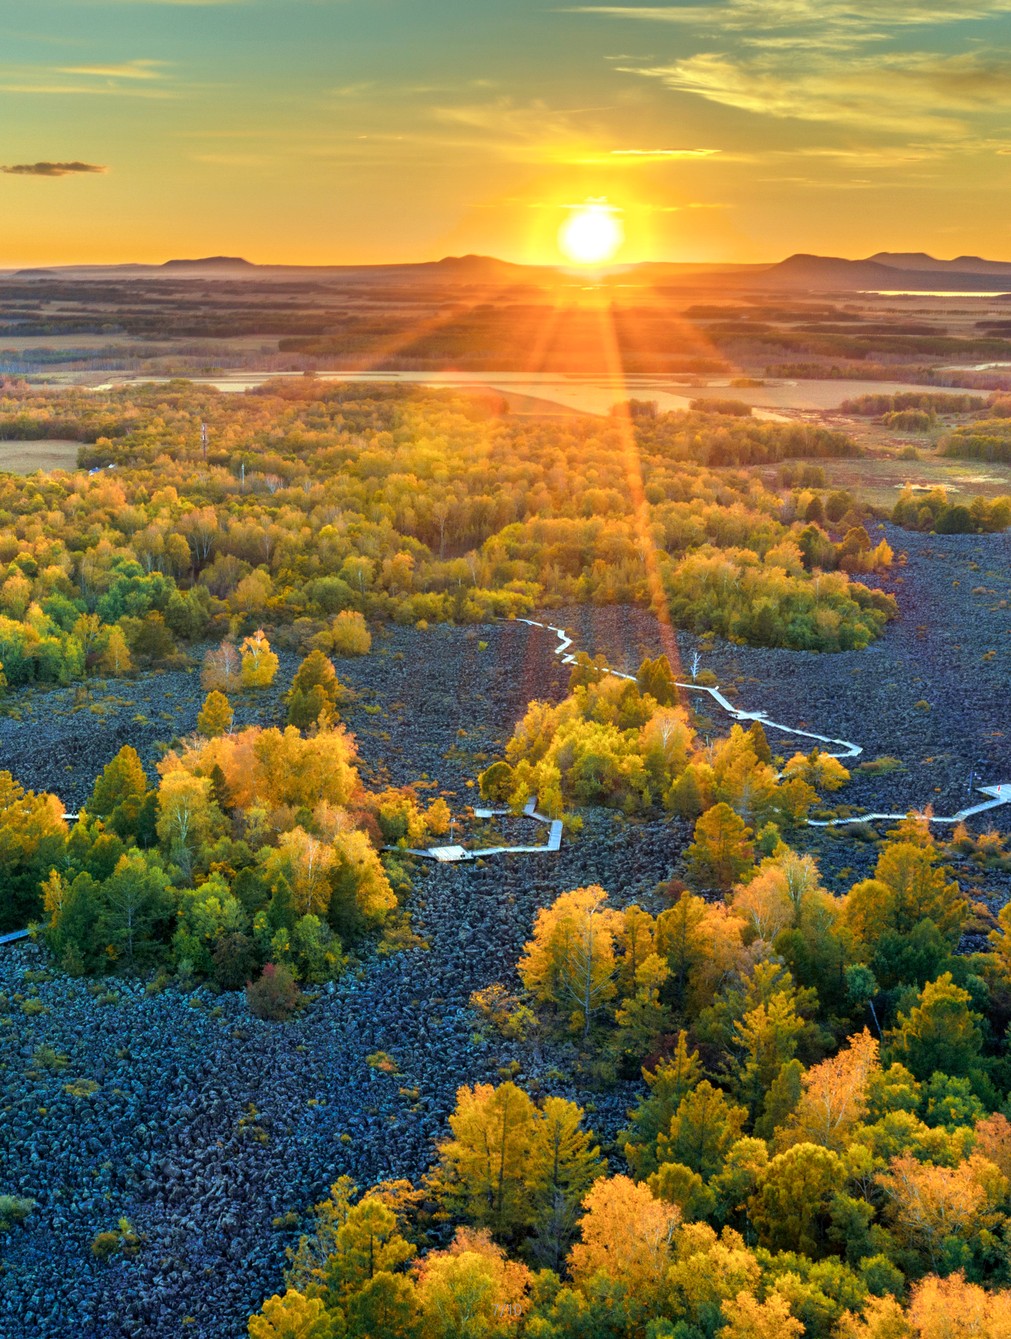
351	636
275	996
14	1209
105	1244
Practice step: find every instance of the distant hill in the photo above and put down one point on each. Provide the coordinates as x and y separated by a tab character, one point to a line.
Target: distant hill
803	271
886	270
210	263
920	260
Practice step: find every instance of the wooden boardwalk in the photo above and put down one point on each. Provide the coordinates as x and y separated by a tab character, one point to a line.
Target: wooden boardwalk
845	748
451	855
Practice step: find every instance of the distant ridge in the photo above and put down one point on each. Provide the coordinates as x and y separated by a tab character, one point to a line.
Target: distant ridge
804	271
210	263
914	271
920	260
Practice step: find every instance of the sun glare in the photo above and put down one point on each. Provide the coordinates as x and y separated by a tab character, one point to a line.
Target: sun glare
591	234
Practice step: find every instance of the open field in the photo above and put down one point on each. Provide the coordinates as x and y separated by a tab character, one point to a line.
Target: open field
584	394
27	457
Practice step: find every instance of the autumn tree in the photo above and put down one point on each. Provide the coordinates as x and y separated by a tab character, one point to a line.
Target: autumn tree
216	715
570	962
187	818
563	1164
222	669
749	1318
484	1167
350	634
722	852
315	692
626	1235
293	1316
258	662
470	1290
835	1095
32	842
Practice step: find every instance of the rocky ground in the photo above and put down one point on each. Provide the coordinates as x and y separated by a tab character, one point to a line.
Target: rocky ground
206	1124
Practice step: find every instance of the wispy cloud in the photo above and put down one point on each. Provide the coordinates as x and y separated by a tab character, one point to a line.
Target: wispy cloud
133	78
657	155
765	14
50	169
132	69
916	92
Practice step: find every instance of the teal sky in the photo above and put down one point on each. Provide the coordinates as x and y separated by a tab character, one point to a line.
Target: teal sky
327	131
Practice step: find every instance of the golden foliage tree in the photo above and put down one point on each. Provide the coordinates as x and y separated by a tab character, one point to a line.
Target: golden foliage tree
215	716
570	962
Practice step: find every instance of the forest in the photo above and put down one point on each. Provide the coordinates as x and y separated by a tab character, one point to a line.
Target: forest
745	1101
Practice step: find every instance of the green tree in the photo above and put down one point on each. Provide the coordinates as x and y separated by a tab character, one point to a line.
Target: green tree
940	1033
315	692
791	1208
668	1085
563	1164
122	779
702	1129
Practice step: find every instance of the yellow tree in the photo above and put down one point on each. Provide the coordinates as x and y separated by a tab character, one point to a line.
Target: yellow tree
305	863
835	1095
722	852
883	1318
293	1316
187	817
926	1205
626	1234
471	1291
820	770
951	1308
222	669
484	1169
570	962
216	715
748	1318
115	658
259	663
710	1270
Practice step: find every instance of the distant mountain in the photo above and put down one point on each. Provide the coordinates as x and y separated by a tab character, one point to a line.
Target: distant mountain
919	260
803	271
210	263
886	270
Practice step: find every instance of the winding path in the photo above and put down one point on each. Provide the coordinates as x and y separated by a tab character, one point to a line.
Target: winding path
845	748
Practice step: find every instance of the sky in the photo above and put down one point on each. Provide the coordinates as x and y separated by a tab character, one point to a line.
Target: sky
369	131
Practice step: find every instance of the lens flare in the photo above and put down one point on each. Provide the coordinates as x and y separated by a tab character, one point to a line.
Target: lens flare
592	234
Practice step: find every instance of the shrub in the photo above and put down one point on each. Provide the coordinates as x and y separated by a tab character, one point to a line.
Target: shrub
105	1244
275	996
14	1209
351	636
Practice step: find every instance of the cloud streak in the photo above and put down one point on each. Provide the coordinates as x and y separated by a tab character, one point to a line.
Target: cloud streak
764	14
51	169
916	92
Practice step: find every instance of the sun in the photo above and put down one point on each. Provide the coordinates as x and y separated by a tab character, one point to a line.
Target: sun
591	234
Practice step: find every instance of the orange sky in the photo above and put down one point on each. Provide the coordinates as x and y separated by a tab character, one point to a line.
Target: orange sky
328	131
